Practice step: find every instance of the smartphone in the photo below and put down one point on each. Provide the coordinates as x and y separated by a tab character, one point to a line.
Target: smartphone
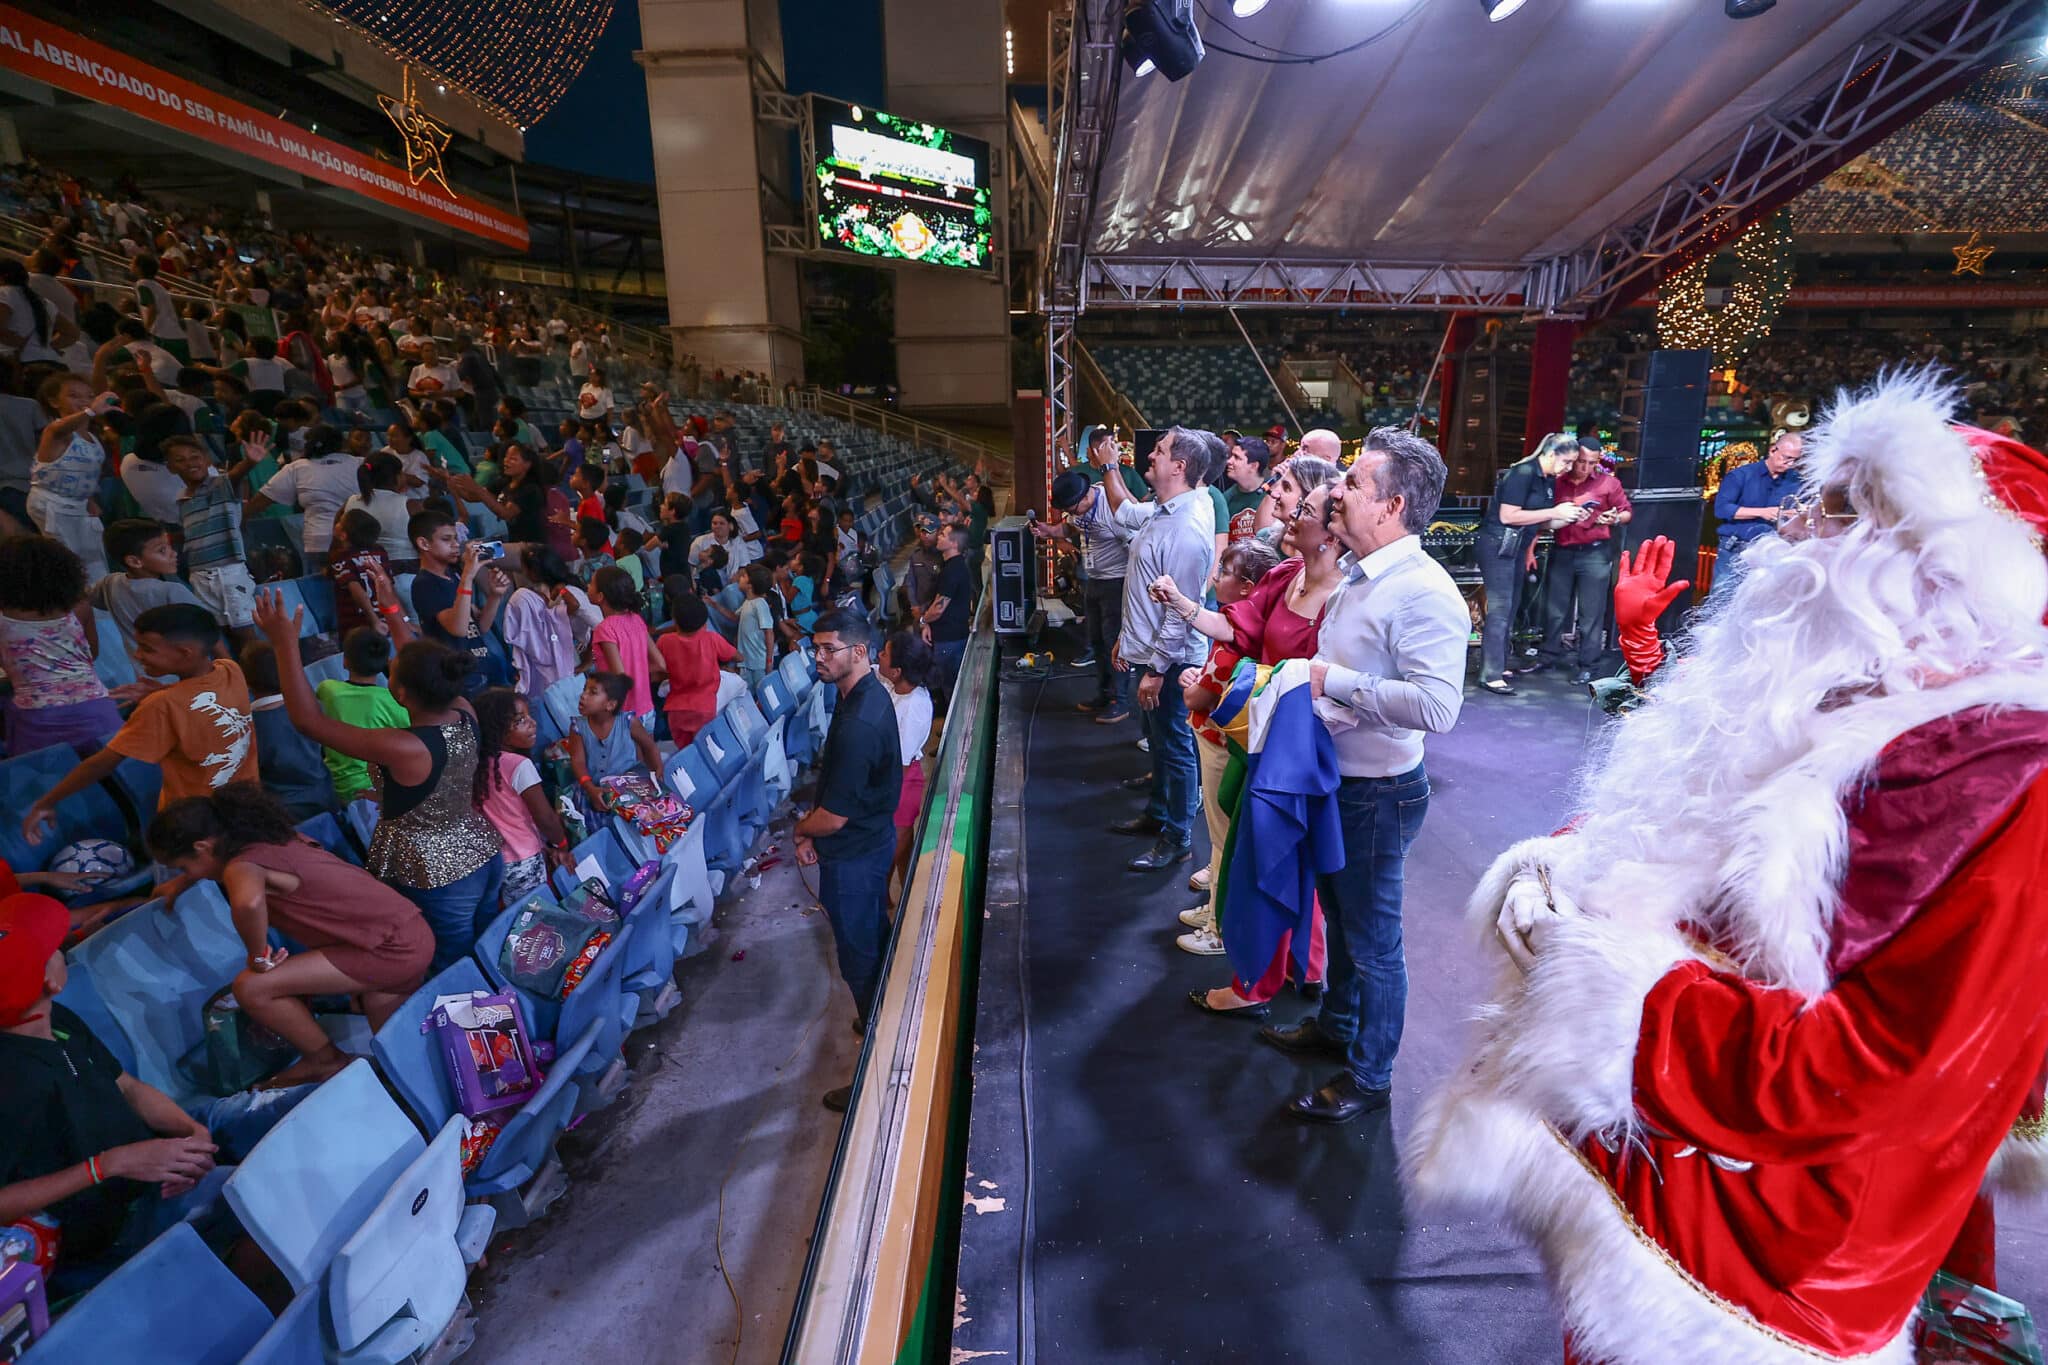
1593	506
487	550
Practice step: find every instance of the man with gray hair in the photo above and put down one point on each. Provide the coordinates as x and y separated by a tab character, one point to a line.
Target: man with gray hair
1174	536
1389	667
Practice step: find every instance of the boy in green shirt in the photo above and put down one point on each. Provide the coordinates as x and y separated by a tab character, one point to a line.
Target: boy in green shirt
360	700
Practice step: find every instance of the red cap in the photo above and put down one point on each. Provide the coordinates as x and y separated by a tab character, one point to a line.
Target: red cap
31	929
2016	473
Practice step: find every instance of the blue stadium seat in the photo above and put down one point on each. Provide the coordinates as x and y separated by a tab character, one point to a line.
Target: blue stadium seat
318	592
312	1180
398	1282
560	701
403	585
143	784
112	664
614	864
597	1000
324	830
361	815
738	764
294	599
411	1060
294	1339
172	1301
151	974
333	668
88	814
689	775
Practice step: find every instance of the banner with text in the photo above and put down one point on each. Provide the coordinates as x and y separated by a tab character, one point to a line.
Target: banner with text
67	61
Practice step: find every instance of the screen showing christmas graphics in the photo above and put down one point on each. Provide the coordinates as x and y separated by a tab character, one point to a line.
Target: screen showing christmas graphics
900	190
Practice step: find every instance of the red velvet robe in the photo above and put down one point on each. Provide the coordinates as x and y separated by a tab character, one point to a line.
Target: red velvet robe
1809	1166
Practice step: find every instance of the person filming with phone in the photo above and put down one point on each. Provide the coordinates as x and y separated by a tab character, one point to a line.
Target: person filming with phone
457	593
1582	564
1524	503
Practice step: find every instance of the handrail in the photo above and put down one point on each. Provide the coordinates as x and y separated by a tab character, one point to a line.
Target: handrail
875	1243
655	285
26	235
1123	412
627	335
1026	136
828	404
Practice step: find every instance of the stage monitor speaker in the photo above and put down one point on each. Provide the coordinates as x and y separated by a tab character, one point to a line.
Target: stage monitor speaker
1679	515
1663	407
1013	555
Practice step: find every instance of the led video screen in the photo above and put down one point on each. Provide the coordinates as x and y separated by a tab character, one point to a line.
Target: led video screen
899	189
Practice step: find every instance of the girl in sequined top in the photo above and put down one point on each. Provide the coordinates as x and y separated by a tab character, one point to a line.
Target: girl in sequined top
432	841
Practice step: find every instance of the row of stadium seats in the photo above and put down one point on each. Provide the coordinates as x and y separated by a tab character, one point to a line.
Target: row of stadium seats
358	1194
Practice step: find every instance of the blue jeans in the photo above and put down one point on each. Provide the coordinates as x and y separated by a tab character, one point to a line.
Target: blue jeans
1176	798
946	657
459	911
1366	996
854	889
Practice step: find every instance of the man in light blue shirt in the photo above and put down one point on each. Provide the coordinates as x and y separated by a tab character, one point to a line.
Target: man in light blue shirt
1174	536
1389	667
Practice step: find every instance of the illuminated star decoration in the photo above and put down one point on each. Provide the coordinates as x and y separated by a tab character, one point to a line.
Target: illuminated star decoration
1970	257
424	139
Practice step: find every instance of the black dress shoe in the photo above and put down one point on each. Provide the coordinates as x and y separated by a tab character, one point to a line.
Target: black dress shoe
1142	782
1305	1039
1098	704
1164	853
1137	824
1341	1101
1310	990
1248	1013
837	1100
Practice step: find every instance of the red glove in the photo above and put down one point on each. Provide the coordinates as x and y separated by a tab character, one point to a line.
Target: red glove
1640	596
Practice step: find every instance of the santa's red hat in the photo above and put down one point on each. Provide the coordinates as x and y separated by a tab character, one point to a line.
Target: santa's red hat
2016	474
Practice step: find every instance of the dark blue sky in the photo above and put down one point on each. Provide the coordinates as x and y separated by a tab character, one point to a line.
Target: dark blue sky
600	127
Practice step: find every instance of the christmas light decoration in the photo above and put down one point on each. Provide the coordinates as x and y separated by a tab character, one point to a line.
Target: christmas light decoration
424	139
1763	278
516	58
1970	256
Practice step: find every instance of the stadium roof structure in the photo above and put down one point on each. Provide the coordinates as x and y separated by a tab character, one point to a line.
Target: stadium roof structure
1553	163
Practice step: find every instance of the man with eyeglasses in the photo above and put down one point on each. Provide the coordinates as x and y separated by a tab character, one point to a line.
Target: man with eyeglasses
1389	668
1747	504
850	834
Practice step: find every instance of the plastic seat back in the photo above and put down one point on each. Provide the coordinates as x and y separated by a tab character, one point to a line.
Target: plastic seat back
362	823
411	1061
154	973
87	814
309	1184
561	699
324	830
173	1300
318	592
722	751
294	1339
746	719
773	696
603	852
595	999
399	1277
112	664
333	668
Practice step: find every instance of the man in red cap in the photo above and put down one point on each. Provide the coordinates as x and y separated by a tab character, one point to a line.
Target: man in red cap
1769	1011
105	1160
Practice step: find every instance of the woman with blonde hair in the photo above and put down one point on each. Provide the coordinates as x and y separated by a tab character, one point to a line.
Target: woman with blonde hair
1524	503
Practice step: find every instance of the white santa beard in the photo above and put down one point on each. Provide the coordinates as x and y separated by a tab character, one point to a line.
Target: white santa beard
1719	803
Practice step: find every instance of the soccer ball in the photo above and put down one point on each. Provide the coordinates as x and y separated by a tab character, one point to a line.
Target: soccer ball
100	858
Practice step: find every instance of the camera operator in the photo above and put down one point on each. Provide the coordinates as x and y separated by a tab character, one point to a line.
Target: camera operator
1582	561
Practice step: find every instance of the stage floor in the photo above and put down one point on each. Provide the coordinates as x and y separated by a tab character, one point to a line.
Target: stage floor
1134	1191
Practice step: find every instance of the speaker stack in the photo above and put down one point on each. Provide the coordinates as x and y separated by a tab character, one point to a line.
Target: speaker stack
1483	433
1663	407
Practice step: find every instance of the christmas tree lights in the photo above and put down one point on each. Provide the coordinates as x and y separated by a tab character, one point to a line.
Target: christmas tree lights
1763	279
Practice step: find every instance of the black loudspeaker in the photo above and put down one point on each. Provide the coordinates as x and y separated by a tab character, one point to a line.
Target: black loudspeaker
1012	558
1677	514
1663	406
1483	431
1163	33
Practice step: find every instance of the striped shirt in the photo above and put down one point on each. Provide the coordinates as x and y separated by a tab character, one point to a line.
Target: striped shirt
212	517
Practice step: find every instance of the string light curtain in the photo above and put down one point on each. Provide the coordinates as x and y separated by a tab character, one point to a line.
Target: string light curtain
516	56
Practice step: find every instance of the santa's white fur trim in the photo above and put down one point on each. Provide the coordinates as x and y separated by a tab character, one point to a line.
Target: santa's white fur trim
1625	1301
1482	908
2019	1168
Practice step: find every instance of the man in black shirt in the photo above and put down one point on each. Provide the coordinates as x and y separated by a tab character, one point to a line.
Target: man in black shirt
851	833
106	1158
456	595
947	617
1524	502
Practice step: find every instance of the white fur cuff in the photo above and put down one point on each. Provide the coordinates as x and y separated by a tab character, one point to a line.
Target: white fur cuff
1482	910
1568	1041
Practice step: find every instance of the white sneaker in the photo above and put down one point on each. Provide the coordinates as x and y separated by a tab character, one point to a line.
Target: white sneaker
1198	918
1144	745
1202	943
1199	882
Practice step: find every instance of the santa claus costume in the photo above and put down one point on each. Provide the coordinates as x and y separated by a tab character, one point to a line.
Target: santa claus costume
1776	1000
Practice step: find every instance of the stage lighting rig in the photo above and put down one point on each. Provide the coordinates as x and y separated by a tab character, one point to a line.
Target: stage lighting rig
1747	9
1497	10
1245	9
1161	35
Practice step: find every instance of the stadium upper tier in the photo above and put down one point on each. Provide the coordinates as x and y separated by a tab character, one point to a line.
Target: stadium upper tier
1971	163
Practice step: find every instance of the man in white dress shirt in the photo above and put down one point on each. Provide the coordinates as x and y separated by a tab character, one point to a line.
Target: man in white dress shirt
1389	667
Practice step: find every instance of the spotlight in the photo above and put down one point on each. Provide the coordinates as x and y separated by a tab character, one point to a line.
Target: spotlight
1747	9
1497	10
1144	69
1161	35
1245	9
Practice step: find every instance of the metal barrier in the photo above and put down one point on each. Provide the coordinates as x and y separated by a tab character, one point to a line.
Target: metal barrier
968	451
876	1286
